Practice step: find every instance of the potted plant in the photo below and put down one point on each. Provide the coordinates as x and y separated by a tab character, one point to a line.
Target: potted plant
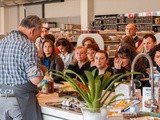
97	90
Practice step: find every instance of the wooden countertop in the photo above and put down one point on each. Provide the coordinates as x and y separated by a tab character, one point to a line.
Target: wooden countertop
53	97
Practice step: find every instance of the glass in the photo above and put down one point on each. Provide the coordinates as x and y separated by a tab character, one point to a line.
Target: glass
94	113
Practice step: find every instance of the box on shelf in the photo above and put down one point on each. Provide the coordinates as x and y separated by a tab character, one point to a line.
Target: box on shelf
49	25
55	29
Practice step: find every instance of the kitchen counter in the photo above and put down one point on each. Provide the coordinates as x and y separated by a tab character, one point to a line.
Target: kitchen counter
54	113
50	112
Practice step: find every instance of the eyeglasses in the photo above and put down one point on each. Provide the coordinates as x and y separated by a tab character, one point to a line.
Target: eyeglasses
80	53
90	53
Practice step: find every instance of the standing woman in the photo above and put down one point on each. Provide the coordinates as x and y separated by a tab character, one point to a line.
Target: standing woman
66	51
50	59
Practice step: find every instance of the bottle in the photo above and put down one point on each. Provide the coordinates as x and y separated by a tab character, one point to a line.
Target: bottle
50	86
156	77
50	81
44	87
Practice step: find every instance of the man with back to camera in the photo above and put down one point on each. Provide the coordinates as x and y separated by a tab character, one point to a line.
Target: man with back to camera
20	72
131	30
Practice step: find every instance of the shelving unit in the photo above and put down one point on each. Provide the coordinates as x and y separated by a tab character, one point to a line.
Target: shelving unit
118	22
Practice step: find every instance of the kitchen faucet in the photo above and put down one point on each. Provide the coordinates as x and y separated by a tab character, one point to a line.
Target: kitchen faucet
132	85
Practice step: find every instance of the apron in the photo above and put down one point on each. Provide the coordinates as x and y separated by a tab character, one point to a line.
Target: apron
26	97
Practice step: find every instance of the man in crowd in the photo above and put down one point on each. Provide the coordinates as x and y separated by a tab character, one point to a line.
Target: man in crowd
149	41
131	30
20	72
40	40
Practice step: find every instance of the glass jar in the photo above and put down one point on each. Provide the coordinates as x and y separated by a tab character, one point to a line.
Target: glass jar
44	87
50	86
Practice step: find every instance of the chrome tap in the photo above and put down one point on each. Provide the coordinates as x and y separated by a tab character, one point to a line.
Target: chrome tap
132	90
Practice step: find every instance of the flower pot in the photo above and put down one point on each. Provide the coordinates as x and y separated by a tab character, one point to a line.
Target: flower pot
94	113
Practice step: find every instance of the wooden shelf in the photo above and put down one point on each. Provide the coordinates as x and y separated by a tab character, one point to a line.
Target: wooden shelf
108	32
112	41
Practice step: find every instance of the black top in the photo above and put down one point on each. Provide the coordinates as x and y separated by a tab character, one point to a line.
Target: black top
88	66
109	69
55	63
75	68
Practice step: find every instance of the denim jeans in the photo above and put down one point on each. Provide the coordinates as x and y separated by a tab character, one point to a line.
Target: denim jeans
9	109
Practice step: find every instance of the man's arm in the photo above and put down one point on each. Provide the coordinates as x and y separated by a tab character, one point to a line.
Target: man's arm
38	79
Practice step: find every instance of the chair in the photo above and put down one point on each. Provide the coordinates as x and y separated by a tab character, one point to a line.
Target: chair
98	38
157	35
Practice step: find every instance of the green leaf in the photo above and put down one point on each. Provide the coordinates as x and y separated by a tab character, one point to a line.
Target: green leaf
106	79
113	98
95	97
94	72
116	78
104	97
97	93
91	82
74	84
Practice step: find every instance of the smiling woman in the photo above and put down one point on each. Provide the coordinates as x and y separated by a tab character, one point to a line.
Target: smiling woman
66	51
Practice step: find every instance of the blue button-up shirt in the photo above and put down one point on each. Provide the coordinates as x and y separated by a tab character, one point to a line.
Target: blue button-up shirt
19	61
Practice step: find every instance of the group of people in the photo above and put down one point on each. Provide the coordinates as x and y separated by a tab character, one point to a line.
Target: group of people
85	57
28	53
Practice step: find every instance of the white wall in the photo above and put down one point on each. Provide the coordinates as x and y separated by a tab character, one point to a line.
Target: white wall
11	19
21	13
103	7
63	9
34	10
